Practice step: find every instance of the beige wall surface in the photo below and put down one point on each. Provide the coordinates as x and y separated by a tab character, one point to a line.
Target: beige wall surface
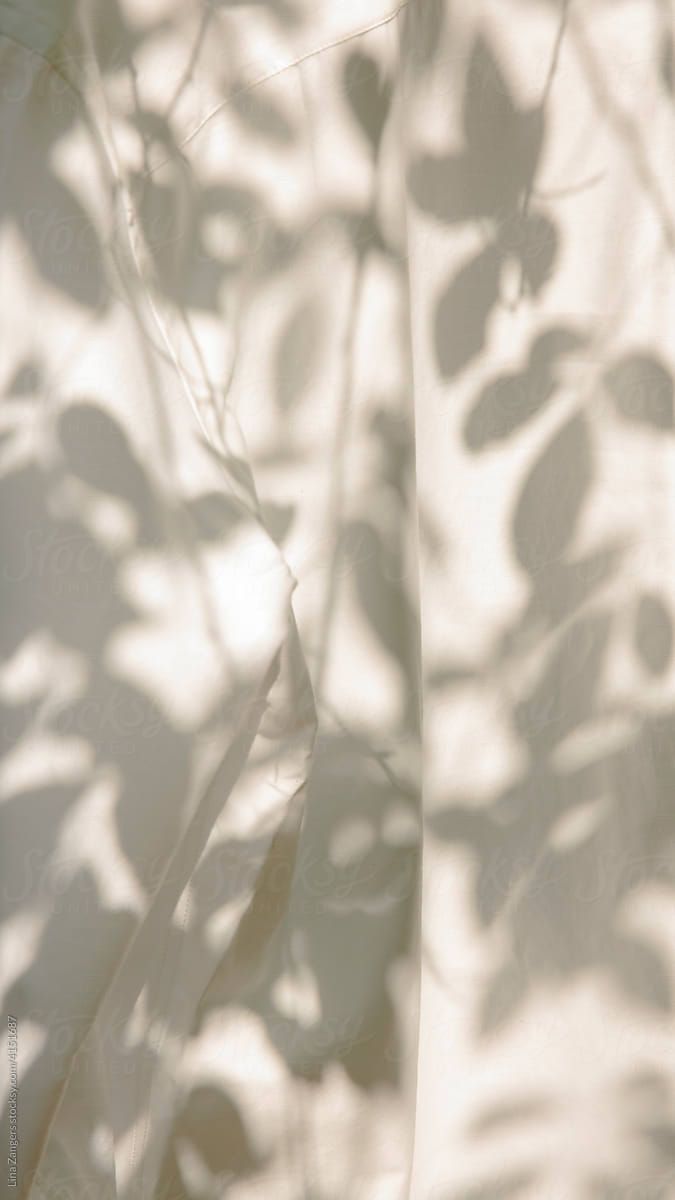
337	676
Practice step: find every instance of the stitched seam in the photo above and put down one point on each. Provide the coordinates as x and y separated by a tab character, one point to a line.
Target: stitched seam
417	941
156	1043
40	55
296	62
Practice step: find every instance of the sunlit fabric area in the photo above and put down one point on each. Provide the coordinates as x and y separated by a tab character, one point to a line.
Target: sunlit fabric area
337	550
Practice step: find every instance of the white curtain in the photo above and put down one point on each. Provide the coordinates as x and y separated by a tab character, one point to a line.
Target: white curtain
337	473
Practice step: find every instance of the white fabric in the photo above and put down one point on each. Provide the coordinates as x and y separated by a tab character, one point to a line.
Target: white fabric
337	482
